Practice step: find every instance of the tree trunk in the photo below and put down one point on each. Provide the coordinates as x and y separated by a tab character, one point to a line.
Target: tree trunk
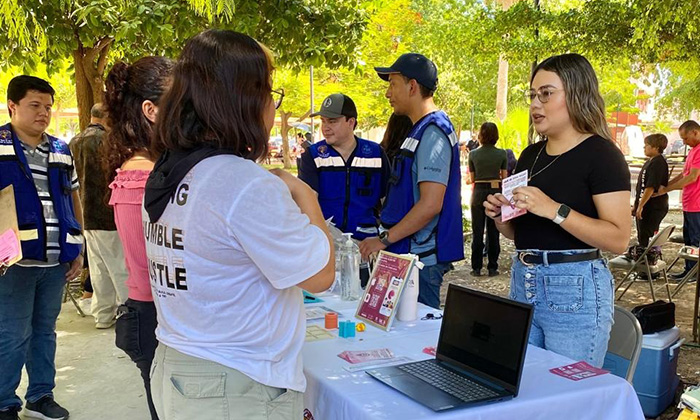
83	91
284	117
89	66
502	90
502	87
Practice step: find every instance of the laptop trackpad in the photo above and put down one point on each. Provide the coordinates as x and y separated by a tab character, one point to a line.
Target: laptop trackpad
417	389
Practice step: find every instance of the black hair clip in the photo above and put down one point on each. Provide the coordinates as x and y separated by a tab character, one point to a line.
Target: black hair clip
431	316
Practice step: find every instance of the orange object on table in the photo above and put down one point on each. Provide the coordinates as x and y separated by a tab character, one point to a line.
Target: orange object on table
331	321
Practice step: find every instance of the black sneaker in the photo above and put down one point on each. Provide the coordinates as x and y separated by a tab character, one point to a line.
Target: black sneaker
493	272
677	276
476	273
46	409
10	414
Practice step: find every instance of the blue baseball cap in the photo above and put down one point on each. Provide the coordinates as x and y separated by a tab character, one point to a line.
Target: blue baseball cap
414	66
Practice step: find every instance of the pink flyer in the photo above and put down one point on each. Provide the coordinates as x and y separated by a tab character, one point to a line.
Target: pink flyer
578	371
509	184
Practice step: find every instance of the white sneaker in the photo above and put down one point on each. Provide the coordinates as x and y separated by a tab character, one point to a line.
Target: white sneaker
85	305
104	325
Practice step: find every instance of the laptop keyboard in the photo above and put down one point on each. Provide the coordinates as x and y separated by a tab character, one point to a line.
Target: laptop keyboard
444	379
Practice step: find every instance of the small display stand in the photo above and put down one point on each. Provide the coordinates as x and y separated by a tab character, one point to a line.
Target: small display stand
380	300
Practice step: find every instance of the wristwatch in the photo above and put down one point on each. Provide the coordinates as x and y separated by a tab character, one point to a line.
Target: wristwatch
384	238
562	214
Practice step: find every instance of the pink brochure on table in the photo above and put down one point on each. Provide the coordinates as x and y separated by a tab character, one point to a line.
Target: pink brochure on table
508	185
578	371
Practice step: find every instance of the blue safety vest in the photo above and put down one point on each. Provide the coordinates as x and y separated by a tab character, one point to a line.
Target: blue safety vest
15	171
400	199
350	192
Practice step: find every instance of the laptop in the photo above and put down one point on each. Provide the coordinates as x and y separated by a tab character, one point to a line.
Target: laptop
479	358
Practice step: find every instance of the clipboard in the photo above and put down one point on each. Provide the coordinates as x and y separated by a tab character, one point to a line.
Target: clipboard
380	301
9	228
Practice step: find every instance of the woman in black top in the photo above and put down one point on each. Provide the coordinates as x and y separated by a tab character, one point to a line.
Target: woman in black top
487	166
576	200
650	210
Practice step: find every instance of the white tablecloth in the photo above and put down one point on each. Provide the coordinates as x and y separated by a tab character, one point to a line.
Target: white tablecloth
334	393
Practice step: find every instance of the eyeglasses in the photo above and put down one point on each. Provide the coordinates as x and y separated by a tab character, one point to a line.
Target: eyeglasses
278	100
432	316
543	94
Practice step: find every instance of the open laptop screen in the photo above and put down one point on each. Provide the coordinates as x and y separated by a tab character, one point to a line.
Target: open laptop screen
485	333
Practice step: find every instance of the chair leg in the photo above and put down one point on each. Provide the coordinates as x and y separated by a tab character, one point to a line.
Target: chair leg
651	283
72	299
673	263
668	288
629	273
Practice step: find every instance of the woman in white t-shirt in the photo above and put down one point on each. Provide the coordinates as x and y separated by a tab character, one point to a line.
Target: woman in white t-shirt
230	245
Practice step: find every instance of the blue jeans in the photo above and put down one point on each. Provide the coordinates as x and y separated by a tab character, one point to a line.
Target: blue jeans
573	305
691	233
429	282
30	300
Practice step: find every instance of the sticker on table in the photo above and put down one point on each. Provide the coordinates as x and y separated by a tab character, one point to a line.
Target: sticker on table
509	184
578	371
316	333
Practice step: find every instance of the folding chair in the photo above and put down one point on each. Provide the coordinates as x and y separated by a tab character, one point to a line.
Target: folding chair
625	345
641	265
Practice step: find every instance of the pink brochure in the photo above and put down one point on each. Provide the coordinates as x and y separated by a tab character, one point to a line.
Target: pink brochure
578	371
9	247
508	185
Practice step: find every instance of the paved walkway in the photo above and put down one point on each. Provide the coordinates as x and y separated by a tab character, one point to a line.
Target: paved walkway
94	380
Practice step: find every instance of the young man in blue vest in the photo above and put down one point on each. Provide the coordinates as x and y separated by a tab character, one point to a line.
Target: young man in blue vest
348	173
40	169
422	213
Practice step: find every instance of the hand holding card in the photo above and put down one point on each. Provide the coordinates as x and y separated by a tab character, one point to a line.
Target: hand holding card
508	185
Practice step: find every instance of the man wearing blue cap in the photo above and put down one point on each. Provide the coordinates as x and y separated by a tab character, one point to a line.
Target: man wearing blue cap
348	173
422	213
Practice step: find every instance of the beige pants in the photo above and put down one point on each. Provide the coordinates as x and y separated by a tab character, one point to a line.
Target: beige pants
107	273
187	388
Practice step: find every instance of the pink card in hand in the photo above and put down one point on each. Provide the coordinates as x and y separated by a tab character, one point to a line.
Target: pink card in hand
578	371
508	185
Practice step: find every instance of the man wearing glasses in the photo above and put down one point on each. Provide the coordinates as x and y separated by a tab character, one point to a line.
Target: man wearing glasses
348	173
422	213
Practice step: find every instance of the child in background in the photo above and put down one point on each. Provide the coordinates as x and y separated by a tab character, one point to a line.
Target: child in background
649	210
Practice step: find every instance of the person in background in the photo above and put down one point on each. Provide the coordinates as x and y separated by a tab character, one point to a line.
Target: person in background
577	202
41	170
650	210
241	242
688	182
133	94
349	173
104	248
397	130
512	162
487	167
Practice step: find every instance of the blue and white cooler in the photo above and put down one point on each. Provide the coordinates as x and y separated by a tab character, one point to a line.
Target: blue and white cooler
655	379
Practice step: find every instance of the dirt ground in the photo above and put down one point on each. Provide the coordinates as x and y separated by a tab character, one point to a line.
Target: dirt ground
689	359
